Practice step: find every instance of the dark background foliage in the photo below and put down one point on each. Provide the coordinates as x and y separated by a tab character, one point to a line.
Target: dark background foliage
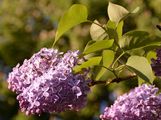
28	25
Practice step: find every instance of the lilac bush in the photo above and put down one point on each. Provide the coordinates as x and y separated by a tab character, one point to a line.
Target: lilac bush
141	103
50	81
46	83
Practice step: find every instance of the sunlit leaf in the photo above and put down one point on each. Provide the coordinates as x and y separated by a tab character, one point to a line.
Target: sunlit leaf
151	55
98	45
108	57
116	12
141	67
89	43
111	24
120	29
89	63
135	10
75	15
97	32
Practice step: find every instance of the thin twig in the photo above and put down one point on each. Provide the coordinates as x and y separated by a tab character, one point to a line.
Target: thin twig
98	25
115	80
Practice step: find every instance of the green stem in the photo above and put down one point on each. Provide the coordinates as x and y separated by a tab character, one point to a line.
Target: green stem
53	45
114	72
109	70
117	59
105	68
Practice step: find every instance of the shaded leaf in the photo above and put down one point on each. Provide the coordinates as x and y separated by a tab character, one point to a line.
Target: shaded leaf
138	52
108	57
97	32
89	63
75	15
138	39
111	30
141	81
141	67
98	45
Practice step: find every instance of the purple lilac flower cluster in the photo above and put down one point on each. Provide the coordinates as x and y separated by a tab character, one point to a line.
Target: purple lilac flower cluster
141	103
156	64
45	83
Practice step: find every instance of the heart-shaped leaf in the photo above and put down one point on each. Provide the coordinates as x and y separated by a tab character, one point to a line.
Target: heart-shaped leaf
97	32
141	67
116	12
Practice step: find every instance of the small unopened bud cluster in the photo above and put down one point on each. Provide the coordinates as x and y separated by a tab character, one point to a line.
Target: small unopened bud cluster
142	103
46	83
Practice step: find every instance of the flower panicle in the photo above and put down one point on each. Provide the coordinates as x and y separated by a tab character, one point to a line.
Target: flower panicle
45	83
141	103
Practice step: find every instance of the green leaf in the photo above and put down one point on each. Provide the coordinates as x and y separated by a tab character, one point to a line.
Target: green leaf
141	67
138	52
74	16
135	10
97	32
111	30
108	57
89	63
137	40
141	81
151	55
98	45
120	29
111	24
89	43
116	12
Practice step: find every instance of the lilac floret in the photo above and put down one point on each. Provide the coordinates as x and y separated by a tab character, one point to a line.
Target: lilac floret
141	103
22	76
46	83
